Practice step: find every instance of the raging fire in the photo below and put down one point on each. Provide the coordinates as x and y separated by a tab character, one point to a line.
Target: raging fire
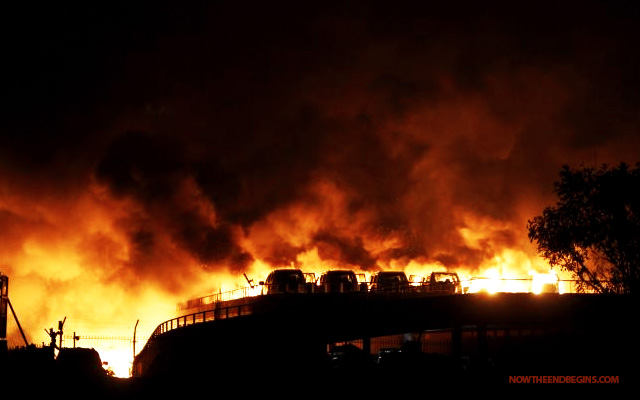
177	179
102	276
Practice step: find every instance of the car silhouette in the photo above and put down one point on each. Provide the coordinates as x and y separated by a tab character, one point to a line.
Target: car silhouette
446	282
389	281
338	281
285	281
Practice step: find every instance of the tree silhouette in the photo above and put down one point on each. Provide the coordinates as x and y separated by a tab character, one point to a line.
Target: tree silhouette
594	229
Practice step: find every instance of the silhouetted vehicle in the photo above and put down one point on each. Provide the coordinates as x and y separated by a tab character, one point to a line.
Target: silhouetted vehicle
389	281
448	282
349	356
286	281
388	357
80	363
339	281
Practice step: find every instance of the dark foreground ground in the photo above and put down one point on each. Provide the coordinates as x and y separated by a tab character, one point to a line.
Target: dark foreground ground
405	375
591	337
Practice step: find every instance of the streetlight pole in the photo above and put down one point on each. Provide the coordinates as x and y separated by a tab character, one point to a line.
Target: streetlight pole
134	339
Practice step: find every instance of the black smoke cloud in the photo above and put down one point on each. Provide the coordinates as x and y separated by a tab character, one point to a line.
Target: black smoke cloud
151	170
414	110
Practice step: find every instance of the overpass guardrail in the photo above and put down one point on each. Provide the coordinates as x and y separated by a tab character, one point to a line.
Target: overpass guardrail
238	302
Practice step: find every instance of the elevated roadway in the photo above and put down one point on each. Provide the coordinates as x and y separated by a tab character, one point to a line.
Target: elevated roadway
291	331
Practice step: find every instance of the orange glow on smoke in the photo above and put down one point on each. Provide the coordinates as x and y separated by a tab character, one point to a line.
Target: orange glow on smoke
377	148
82	269
73	257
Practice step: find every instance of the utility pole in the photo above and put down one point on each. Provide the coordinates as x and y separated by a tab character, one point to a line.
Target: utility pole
4	302
54	335
18	323
60	326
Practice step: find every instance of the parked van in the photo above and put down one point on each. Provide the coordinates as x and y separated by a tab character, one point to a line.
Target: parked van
339	281
286	281
389	281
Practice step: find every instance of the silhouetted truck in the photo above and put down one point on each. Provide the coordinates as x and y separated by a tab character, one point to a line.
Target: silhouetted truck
287	281
389	281
445	282
340	281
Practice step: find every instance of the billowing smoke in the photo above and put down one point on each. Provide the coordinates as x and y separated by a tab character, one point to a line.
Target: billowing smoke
149	147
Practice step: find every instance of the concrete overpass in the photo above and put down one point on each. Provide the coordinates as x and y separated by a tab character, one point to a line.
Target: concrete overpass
289	333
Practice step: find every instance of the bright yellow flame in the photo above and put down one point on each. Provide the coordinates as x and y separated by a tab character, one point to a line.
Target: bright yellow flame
544	283
419	269
490	283
118	361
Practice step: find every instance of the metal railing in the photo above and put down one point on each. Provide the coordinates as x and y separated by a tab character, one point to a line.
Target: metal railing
212	299
203	316
210	308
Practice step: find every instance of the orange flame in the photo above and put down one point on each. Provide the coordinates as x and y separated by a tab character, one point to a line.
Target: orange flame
79	263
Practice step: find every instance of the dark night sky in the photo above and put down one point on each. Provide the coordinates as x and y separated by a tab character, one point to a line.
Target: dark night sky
395	124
